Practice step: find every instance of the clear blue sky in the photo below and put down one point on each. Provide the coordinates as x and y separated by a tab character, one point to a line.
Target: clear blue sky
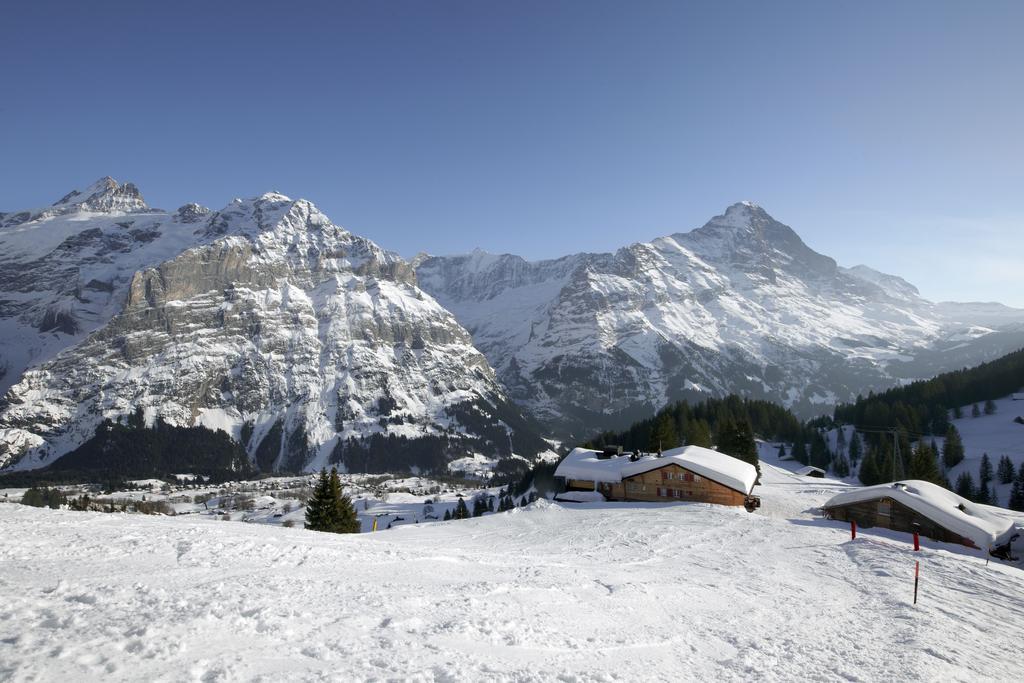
885	133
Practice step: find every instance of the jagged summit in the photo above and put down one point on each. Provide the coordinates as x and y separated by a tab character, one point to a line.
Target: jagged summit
106	194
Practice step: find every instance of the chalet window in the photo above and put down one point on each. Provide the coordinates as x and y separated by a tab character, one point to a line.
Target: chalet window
676	493
665	475
884	508
688	476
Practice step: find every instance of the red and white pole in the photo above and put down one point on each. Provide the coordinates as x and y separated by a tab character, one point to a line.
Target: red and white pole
917	541
917	574
853	529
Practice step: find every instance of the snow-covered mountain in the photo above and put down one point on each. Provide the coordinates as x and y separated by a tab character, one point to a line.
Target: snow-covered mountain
592	341
308	343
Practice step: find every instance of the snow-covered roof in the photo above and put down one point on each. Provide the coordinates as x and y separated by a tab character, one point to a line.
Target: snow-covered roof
940	505
808	469
585	464
580	497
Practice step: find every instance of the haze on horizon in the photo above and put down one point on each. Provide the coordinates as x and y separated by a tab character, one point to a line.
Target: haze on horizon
884	135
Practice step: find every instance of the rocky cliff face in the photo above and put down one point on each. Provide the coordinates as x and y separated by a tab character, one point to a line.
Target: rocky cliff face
264	319
591	341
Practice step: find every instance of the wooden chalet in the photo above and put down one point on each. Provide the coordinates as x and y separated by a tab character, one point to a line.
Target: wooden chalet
921	506
690	473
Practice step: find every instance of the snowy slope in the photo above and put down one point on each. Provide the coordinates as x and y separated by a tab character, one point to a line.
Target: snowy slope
997	435
263	319
571	592
593	341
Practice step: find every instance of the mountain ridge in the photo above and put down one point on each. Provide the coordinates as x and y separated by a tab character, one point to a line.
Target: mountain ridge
263	319
738	304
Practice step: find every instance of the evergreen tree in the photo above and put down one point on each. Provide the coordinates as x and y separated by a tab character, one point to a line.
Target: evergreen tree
886	465
664	435
736	438
953	448
985	471
799	451
869	474
841	466
958	412
1016	501
490	503
940	420
841	441
34	497
782	451
329	509
855	449
44	498
1005	470
990	407
820	455
447	515
982	494
924	465
699	434
461	511
975	411
965	486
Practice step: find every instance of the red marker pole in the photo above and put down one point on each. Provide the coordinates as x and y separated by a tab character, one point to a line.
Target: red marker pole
917	573
917	541
853	529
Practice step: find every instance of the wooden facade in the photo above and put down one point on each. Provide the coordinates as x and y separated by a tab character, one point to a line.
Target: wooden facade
891	514
665	484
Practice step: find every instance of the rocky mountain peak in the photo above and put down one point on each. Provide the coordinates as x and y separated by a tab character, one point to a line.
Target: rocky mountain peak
748	237
191	213
104	195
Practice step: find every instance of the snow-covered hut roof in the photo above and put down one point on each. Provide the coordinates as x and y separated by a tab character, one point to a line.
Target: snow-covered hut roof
580	497
586	464
809	470
940	505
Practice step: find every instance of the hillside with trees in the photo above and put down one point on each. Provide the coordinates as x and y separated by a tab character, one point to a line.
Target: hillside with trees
923	407
119	451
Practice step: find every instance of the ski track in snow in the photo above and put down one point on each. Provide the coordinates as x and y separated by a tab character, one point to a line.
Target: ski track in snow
586	592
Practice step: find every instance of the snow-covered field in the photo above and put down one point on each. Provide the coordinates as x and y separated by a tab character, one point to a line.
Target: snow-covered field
577	592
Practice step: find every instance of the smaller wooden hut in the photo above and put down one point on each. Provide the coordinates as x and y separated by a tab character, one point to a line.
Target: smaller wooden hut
811	471
921	506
